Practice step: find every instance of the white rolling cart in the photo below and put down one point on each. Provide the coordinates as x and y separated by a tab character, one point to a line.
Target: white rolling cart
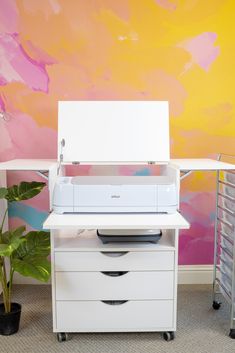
224	240
224	253
113	287
120	287
65	242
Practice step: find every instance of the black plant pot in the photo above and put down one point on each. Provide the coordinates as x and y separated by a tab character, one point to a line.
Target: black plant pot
9	322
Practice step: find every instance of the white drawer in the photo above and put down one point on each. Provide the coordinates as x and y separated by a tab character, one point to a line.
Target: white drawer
97	316
114	261
103	286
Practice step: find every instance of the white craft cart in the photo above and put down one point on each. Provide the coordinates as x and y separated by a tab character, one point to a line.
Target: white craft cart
113	287
65	239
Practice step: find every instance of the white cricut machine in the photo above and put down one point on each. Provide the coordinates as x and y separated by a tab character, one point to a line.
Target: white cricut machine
116	132
115	194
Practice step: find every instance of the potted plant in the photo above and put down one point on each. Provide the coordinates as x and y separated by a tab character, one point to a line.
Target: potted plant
21	252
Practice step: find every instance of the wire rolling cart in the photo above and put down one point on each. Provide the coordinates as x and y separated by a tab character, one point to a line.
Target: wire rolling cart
224	248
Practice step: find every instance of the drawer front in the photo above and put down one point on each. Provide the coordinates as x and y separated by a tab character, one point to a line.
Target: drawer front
114	261
114	285
97	316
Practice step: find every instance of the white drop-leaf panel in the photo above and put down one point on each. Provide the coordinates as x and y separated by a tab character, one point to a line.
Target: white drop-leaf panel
29	164
203	164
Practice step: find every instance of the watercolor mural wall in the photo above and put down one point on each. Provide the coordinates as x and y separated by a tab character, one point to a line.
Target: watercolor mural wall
176	50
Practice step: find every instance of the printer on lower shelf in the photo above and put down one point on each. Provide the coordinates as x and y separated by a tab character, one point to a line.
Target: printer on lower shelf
127	235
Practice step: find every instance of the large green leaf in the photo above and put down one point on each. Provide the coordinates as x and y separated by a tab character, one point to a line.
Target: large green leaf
4	250
17	232
11	235
8	249
24	191
3	193
11	240
36	267
30	258
5	237
37	243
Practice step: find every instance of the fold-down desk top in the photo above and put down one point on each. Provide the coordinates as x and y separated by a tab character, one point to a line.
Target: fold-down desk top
28	164
187	164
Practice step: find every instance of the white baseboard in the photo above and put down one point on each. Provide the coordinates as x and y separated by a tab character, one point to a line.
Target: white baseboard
195	274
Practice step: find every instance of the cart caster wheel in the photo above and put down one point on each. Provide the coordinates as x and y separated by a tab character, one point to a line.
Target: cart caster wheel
216	305
168	336
232	333
62	336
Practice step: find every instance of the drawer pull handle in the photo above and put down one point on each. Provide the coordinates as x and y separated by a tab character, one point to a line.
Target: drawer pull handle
114	302
114	273
114	253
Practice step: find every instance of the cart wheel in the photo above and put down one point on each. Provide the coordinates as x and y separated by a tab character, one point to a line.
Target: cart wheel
62	336
216	305
232	333
168	336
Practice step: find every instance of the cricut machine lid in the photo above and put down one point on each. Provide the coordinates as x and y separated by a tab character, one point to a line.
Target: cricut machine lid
113	131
